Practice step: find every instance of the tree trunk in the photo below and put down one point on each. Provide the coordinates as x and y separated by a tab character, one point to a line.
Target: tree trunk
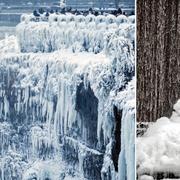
158	58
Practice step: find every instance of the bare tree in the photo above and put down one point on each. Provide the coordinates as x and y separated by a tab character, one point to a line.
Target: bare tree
158	58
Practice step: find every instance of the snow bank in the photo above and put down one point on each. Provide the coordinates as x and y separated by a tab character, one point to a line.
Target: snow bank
158	150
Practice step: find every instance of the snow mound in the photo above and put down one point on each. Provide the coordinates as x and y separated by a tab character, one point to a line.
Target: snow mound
158	150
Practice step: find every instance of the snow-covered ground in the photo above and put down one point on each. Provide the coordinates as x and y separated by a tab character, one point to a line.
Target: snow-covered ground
44	73
158	150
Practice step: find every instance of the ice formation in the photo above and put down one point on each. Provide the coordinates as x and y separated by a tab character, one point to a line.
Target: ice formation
69	31
159	148
67	97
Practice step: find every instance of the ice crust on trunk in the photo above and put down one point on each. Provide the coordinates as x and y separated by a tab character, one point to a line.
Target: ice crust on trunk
58	105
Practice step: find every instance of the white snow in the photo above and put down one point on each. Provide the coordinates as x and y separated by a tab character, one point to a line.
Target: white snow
158	150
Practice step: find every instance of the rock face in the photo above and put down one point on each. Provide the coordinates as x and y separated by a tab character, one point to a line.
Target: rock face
74	111
87	108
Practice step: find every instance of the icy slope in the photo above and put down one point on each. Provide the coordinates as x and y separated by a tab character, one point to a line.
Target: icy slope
158	150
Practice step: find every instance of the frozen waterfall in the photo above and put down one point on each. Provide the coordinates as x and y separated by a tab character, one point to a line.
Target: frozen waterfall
67	99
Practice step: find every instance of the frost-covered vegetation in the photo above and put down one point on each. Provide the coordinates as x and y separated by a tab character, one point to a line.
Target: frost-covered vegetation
67	97
77	33
158	149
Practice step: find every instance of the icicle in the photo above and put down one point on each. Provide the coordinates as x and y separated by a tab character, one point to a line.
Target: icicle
127	154
81	156
6	107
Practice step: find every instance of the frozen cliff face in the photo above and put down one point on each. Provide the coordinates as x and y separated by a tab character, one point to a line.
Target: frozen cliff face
68	106
158	149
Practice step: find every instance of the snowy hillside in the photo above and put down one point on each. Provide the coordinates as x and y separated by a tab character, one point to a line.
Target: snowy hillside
67	101
158	149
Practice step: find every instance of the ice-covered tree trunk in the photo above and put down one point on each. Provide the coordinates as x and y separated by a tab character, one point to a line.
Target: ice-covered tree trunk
158	58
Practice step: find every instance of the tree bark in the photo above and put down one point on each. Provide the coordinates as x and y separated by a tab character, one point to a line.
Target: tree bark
158	58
